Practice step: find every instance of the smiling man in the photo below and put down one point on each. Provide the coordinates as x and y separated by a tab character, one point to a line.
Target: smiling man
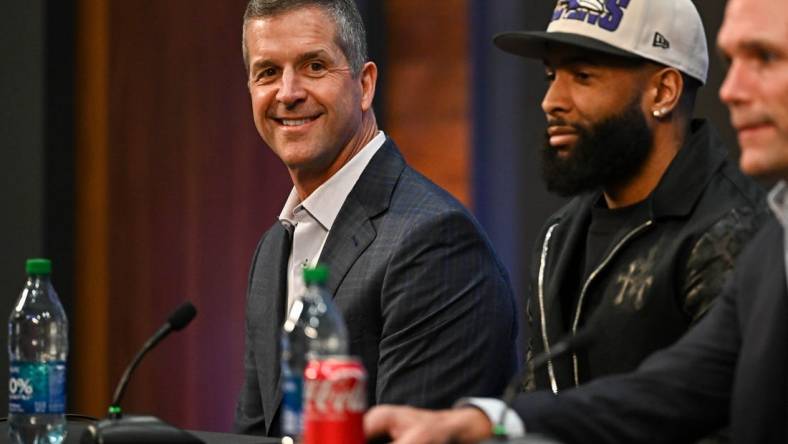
428	305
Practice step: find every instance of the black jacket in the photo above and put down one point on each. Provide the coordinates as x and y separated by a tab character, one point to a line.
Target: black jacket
656	279
732	366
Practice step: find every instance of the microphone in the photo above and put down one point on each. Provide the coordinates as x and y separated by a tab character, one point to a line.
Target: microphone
117	429
179	319
569	343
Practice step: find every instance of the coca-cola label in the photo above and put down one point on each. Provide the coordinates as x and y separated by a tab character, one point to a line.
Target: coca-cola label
335	388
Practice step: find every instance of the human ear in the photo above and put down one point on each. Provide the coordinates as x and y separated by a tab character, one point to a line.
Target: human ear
368	78
666	86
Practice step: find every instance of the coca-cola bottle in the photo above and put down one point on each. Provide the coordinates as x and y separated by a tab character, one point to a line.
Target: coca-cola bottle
314	328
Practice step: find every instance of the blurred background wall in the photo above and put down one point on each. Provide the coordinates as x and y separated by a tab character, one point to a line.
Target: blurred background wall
128	155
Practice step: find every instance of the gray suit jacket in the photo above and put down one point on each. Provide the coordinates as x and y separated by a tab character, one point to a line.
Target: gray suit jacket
428	305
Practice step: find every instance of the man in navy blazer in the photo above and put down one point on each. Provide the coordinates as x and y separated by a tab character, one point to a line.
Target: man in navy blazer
733	366
428	306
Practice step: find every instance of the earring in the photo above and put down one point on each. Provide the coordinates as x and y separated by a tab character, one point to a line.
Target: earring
659	113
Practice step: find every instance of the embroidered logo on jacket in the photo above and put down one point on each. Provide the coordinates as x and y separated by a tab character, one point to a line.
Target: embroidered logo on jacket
636	280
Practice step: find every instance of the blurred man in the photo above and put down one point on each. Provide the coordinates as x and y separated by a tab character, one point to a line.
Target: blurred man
428	305
733	366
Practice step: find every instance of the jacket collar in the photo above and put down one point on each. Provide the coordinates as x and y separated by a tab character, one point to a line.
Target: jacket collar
690	171
376	185
353	230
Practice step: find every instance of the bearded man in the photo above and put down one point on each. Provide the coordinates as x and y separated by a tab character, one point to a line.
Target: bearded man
659	213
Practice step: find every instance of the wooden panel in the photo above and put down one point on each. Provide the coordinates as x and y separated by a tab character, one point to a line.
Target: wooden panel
193	188
89	326
176	188
427	84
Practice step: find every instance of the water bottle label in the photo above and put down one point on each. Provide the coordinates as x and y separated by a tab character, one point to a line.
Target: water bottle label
292	404
37	387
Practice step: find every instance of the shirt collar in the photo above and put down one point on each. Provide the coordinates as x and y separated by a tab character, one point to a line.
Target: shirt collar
325	202
778	201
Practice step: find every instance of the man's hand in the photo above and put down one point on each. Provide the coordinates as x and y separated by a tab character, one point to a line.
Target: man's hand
407	425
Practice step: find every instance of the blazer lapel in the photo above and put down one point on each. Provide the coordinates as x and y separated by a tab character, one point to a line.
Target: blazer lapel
271	276
353	230
349	237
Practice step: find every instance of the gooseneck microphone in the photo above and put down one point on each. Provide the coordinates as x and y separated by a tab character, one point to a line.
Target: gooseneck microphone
179	319
569	343
119	429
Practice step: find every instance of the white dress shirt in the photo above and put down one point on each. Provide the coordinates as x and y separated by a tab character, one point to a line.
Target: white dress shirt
493	408
313	218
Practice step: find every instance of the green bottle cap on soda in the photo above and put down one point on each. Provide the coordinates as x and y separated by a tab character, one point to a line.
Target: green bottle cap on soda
38	266
316	276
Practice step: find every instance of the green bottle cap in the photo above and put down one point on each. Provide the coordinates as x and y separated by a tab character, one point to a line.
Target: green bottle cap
38	266
316	276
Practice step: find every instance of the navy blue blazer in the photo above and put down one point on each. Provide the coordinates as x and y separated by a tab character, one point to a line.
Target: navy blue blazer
732	367
428	305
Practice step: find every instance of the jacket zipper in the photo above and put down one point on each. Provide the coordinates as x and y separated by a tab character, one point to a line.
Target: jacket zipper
591	277
542	262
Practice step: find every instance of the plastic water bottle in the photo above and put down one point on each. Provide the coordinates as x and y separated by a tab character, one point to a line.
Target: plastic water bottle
37	349
314	328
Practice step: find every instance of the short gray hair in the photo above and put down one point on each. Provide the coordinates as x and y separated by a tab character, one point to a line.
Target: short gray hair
350	34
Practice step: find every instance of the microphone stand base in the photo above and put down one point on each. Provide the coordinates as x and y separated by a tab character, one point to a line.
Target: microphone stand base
132	429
